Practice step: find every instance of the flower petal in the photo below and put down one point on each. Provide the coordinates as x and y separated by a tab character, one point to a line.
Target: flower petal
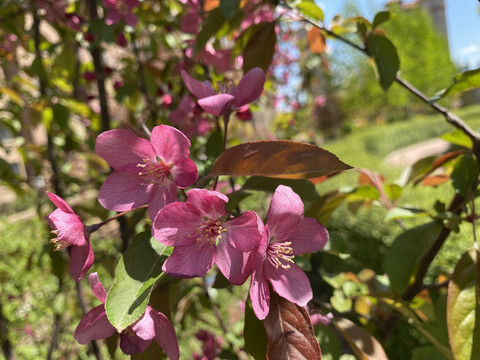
259	295
285	213
69	226
175	224
309	236
292	283
163	195
123	191
170	144
249	88
190	261
245	231
94	326
233	263
60	203
123	150
208	203
165	334
217	104
185	173
130	343
97	287
81	259
198	89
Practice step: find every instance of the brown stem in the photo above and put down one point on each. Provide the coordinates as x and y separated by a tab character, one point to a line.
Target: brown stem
95	50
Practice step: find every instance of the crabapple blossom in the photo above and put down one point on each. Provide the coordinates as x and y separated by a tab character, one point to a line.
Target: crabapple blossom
70	231
201	235
190	118
248	89
121	9
287	233
145	171
135	338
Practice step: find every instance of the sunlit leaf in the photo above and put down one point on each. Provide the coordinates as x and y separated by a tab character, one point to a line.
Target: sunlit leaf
137	272
462	82
277	158
289	331
407	250
316	40
363	344
463	309
385	57
13	95
458	137
260	47
310	9
323	209
405	213
440	161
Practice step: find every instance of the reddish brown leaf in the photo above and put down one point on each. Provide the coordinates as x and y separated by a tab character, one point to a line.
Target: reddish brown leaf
435	180
363	344
210	5
277	158
441	160
290	332
316	40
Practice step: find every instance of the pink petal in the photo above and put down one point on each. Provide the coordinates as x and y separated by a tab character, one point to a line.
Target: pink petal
285	213
309	236
208	203
185	173
190	261
162	195
292	283
123	150
198	89
69	226
175	224
123	191
259	295
165	334
245	231
249	88
97	287
232	263
131	20
94	326
144	327
60	203
217	104
130	343
113	17
170	144
81	259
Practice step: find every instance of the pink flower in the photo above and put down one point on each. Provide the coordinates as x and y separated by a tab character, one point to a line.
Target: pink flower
244	113
89	76
247	90
192	19
137	337
189	118
70	231
211	346
219	59
287	233
200	235
145	171
121	9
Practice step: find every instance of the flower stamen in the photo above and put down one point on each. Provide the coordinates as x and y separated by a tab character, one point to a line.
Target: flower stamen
210	230
280	254
58	244
153	172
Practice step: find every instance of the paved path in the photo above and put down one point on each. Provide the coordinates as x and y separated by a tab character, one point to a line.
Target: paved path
409	155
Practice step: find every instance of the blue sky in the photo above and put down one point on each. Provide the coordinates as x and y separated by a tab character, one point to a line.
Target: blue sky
463	22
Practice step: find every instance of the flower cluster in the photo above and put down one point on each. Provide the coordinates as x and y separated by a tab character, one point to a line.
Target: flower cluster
148	173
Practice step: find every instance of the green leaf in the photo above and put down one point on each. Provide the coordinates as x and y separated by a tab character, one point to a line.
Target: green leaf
405	213
212	24
260	47
458	137
228	8
254	334
407	250
137	272
462	82
323	209
385	58
304	188
464	174
213	147
13	95
310	9
380	18
463	309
